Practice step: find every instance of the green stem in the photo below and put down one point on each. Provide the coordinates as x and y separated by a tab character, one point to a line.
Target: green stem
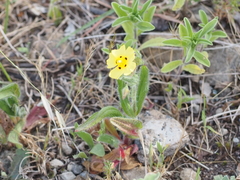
6	19
5	72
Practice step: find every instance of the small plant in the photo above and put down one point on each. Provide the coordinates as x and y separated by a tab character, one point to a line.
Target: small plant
114	128
190	42
54	12
221	177
12	115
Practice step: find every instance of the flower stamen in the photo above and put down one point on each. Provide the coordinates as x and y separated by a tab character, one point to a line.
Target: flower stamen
121	62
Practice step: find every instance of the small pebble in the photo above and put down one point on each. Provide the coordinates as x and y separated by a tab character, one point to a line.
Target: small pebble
219	111
223	131
77	169
84	175
67	176
66	148
235	140
188	174
56	163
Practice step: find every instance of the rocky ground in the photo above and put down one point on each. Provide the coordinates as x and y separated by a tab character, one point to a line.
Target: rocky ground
74	77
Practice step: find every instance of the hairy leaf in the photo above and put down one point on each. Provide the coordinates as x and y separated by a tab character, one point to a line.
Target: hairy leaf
171	66
202	57
178	5
98	150
154	42
143	88
193	68
86	137
97	117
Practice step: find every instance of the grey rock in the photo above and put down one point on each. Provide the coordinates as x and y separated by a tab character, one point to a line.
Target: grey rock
188	174
66	148
75	168
135	173
223	61
56	163
163	129
67	176
84	175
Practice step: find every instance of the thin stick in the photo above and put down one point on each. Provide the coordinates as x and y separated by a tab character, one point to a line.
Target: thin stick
194	160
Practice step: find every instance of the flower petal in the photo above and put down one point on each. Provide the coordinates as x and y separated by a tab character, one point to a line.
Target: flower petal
111	61
116	73
130	68
119	52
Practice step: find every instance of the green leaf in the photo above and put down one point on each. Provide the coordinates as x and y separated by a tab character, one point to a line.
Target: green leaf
202	57
145	26
19	160
23	49
97	117
178	4
10	89
208	27
127	125
143	88
111	140
9	95
117	8
126	8
203	17
124	101
193	68
211	129
174	42
148	15
55	13
98	150
190	54
219	34
182	31
204	41
80	155
171	66
86	137
13	136
135	7
188	27
153	42
145	7
150	176
106	50
187	99
120	21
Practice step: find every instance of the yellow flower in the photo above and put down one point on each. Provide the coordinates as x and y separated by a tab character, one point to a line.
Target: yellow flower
121	61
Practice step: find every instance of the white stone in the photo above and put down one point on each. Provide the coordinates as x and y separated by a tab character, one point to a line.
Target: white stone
56	163
188	174
223	131
67	176
206	89
235	140
165	130
66	148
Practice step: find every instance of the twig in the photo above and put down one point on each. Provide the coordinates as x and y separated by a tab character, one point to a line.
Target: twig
194	160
